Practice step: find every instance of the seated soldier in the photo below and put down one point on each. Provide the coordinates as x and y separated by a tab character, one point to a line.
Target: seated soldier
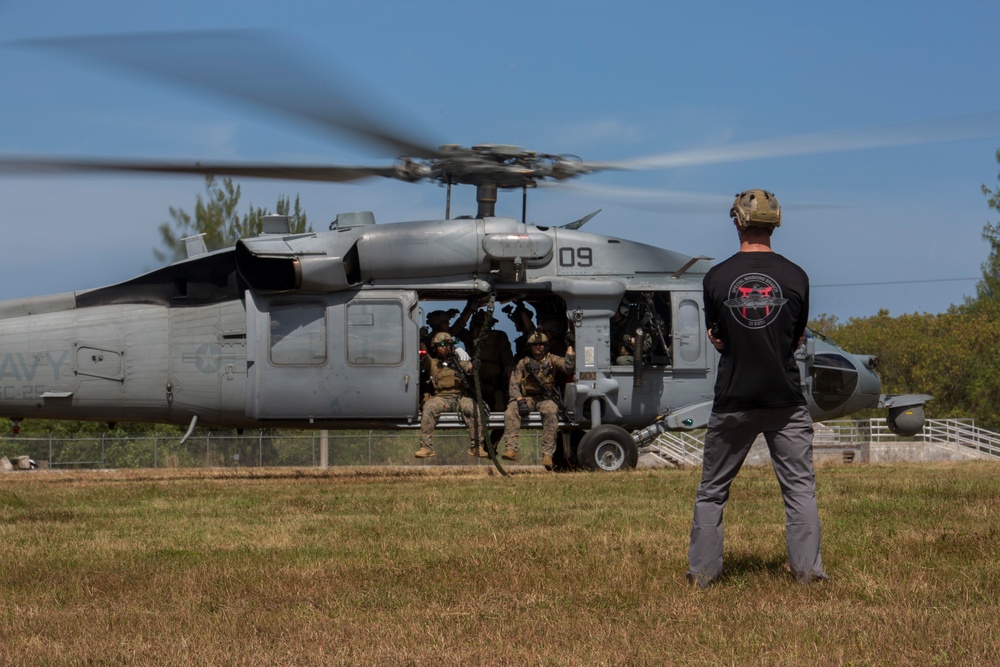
445	374
533	387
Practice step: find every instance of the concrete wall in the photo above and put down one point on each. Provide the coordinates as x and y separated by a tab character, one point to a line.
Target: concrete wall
874	452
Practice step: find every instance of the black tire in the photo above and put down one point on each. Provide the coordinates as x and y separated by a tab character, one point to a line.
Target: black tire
607	448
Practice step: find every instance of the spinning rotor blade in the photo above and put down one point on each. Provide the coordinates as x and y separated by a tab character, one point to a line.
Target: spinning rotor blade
254	67
250	66
662	201
673	202
971	126
291	172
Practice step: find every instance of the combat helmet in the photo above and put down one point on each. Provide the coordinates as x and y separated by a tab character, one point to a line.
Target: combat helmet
442	338
482	318
538	337
756	208
438	317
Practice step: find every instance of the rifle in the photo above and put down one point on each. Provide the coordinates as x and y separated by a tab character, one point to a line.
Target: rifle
656	321
549	393
454	361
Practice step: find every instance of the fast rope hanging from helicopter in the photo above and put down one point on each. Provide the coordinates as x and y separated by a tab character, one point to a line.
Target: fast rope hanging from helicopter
481	415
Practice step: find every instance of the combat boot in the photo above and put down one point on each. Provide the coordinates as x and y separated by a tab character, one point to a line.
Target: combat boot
547	462
509	455
479	451
424	452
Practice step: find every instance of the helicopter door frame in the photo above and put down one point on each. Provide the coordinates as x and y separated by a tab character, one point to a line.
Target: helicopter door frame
347	355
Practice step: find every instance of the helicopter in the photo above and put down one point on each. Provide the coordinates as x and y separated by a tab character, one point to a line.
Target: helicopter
323	329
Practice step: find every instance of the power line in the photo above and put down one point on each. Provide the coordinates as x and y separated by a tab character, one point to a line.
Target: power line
897	282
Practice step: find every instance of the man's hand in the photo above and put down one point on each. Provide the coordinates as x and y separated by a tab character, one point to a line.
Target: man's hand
522	407
715	341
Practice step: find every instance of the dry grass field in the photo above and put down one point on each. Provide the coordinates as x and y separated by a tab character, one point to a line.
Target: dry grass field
456	566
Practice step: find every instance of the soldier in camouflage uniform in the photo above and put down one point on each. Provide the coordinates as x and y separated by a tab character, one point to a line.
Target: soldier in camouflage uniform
495	357
533	387
445	374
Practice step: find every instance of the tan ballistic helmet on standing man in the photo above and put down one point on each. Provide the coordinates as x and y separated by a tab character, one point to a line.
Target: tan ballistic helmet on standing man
538	337
756	208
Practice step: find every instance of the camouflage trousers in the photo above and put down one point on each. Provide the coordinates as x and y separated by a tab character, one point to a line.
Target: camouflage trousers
435	405
550	423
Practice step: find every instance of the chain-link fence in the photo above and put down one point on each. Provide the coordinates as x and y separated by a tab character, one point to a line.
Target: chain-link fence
252	449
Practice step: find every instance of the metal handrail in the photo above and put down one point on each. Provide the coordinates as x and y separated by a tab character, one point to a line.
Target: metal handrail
962	433
679	446
959	432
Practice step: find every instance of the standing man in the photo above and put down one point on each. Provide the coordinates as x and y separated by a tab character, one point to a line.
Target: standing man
440	320
533	387
495	357
756	307
445	374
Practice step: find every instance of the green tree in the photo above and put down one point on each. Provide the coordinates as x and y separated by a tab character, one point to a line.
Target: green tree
216	216
988	289
949	355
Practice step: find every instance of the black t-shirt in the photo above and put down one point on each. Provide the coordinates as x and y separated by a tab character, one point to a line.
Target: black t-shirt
759	302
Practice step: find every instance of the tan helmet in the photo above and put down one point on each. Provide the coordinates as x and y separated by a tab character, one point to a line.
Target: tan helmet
441	339
538	337
756	208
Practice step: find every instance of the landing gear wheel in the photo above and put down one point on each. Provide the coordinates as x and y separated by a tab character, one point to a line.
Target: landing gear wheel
608	448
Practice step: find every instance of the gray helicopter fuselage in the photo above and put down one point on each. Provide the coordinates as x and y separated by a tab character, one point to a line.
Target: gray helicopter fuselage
322	330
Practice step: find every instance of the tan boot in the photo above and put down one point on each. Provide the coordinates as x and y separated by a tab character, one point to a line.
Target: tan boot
509	455
547	462
424	452
479	451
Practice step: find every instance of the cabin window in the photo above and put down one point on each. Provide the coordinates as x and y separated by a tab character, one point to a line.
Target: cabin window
375	333
298	333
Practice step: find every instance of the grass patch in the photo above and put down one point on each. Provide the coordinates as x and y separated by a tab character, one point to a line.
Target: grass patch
456	566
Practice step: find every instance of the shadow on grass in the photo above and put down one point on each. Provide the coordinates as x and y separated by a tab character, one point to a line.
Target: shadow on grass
741	566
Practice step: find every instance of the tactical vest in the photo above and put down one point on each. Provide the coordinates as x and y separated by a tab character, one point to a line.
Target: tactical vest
545	372
445	377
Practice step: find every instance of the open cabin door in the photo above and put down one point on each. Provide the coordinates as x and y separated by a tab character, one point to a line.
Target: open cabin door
349	355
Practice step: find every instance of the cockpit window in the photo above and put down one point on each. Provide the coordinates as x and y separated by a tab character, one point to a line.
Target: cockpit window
834	378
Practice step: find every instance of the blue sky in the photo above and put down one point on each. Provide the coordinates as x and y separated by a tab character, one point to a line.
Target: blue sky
605	81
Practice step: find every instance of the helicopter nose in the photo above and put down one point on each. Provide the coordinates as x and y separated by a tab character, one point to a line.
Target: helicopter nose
868	380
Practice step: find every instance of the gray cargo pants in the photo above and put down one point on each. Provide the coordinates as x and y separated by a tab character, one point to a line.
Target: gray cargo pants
730	435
